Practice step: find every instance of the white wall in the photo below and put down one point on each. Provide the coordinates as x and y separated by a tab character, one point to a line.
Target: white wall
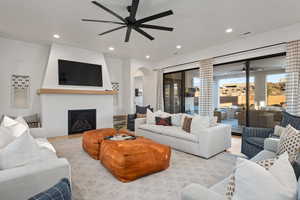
116	73
149	82
21	58
73	54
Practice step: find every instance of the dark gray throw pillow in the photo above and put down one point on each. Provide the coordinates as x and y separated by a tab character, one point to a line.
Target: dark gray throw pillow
142	109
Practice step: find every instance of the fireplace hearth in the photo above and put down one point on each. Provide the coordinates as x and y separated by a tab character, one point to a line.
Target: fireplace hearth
81	120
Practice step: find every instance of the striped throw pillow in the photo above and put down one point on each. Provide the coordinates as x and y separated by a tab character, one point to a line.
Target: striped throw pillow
187	124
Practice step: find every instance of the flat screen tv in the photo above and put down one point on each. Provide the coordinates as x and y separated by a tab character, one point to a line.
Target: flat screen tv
79	74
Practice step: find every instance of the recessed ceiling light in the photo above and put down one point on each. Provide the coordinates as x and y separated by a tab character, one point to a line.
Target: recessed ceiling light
178	46
147	56
56	36
111	48
229	30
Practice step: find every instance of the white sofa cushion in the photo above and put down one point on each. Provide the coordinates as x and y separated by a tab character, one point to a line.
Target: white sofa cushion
15	126
47	151
5	137
176	119
199	123
172	131
23	150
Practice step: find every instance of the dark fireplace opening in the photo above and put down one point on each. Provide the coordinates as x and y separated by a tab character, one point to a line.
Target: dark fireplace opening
81	120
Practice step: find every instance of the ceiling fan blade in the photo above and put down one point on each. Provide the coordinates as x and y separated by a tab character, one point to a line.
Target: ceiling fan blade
102	21
128	33
162	28
110	11
143	33
134	7
109	31
154	17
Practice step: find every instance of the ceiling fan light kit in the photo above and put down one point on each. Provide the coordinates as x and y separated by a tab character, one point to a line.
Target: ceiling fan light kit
131	23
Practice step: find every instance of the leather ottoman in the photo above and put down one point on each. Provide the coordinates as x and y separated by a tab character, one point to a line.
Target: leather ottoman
91	140
131	159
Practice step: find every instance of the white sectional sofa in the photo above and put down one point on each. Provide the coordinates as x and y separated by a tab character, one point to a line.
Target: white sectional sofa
217	192
206	143
24	182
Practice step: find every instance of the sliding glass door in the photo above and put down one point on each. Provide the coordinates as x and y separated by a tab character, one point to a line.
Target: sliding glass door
181	92
250	93
246	93
269	100
173	92
230	94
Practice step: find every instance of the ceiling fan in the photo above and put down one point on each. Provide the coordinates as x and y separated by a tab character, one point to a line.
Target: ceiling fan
130	22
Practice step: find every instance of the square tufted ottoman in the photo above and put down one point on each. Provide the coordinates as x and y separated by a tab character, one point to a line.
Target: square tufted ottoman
131	159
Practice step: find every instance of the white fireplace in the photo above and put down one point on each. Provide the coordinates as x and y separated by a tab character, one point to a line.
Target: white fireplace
57	100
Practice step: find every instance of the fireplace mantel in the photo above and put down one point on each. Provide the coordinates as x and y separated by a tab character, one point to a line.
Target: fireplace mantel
71	91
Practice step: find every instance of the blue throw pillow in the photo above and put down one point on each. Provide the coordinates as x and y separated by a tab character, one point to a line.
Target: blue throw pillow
60	191
293	120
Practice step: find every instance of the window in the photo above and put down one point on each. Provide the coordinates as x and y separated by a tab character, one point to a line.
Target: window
276	90
181	92
233	92
259	105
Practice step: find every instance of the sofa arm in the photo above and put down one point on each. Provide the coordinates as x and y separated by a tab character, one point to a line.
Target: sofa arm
257	132
271	144
138	122
198	192
38	132
213	140
24	182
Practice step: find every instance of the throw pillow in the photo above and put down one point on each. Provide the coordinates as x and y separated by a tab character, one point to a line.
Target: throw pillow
142	109
187	124
176	119
150	117
290	143
283	171
278	130
22	121
199	123
183	117
16	127
23	150
5	137
60	191
213	121
267	164
161	121
230	188
253	182
141	115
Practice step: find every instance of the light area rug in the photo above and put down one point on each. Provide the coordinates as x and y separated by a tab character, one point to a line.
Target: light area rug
91	181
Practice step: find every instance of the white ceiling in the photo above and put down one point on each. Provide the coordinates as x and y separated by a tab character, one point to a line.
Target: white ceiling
198	23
